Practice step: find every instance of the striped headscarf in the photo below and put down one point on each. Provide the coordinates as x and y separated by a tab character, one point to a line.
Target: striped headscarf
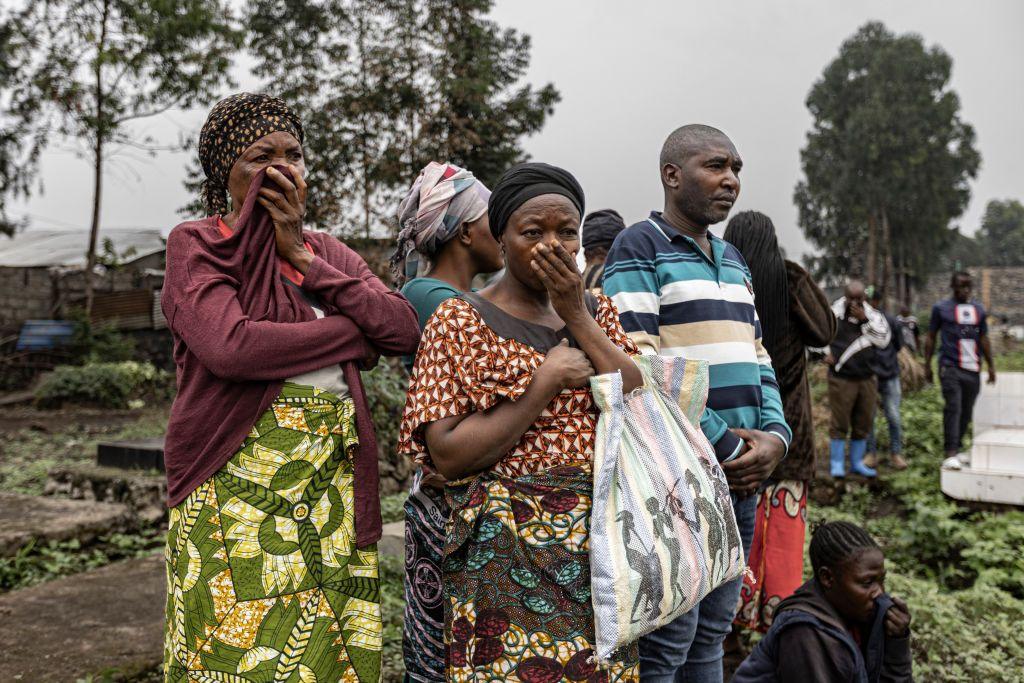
234	124
443	197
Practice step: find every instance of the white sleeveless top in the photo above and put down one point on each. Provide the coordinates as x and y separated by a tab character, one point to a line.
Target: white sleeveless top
330	379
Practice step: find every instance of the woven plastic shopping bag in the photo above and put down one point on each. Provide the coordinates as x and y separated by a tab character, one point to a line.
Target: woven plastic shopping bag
663	533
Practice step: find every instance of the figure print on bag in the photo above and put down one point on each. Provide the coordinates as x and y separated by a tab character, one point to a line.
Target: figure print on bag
646	564
662	528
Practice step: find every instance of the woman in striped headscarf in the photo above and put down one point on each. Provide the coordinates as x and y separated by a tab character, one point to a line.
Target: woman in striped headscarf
444	234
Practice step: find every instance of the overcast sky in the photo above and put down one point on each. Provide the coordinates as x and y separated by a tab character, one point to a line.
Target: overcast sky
629	73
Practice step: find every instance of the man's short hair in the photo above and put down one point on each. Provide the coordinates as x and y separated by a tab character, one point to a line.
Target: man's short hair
959	274
684	142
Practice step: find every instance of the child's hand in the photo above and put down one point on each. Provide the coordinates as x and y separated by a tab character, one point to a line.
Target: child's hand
897	619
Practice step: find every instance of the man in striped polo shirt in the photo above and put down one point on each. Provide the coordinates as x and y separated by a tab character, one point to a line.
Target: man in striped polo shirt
681	291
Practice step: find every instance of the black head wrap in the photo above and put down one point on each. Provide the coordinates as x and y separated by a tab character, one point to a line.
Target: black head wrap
234	124
523	182
601	227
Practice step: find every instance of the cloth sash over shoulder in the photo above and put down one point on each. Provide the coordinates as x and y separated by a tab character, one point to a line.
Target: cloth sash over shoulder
240	329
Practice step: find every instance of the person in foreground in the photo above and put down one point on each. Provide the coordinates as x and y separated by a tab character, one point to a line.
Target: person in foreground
852	387
499	404
682	291
270	454
839	627
445	234
794	315
962	322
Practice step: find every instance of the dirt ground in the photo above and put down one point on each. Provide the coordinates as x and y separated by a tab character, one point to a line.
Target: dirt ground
78	637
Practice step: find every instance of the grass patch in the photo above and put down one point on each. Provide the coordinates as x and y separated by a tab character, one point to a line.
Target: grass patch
28	453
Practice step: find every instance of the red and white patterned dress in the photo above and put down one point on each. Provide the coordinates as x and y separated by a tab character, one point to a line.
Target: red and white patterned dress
464	366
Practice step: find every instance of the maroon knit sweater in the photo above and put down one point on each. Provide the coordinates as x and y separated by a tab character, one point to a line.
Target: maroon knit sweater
231	364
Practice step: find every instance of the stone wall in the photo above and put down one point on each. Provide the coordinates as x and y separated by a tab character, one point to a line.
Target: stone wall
25	294
1000	290
71	286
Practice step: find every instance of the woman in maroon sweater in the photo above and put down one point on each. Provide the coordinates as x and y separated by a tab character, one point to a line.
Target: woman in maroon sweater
270	454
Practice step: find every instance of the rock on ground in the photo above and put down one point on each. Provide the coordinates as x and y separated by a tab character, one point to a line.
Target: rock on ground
64	630
392	540
24	518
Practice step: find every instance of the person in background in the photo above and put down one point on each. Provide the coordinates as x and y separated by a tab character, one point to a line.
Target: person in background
964	340
599	231
910	329
839	627
682	291
499	403
852	387
270	452
886	365
445	234
794	315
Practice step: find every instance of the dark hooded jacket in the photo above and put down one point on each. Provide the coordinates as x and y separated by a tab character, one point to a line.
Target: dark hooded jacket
808	642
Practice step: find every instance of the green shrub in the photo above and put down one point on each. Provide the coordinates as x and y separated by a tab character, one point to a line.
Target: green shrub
970	635
385	393
105	385
103	343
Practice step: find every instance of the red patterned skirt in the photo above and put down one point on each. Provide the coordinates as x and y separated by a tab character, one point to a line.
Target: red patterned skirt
776	556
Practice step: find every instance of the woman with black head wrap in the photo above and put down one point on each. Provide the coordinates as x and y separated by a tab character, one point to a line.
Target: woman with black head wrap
499	403
270	453
794	314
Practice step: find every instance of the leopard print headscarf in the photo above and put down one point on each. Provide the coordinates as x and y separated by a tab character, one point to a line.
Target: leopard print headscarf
234	124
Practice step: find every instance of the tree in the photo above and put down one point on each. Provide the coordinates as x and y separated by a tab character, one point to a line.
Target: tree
97	66
19	143
1001	235
887	161
478	117
381	96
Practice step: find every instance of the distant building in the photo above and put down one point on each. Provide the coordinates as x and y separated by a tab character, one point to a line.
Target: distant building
42	277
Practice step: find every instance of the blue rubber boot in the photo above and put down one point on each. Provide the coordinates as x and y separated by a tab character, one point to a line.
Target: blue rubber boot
837	457
857	450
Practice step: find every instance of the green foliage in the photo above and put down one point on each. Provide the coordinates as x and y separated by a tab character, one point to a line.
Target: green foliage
87	69
1001	236
959	569
385	393
970	635
98	343
20	143
392	582
1011	362
38	562
380	95
478	116
392	507
888	159
105	385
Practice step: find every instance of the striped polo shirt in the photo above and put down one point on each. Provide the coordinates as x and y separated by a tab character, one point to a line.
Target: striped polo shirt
675	301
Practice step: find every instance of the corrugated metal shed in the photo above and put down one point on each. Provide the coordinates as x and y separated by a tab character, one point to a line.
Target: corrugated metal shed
43	248
132	310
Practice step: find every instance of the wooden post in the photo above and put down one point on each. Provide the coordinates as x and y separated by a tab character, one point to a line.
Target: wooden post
986	288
